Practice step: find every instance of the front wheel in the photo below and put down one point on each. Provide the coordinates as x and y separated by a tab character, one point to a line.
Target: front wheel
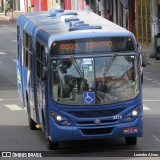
53	145
32	124
142	78
131	140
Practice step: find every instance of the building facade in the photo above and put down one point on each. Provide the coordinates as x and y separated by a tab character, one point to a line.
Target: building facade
36	5
134	15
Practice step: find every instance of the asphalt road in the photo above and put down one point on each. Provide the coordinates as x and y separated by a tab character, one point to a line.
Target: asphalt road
16	136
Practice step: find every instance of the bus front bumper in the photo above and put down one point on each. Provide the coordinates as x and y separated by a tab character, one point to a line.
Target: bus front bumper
67	133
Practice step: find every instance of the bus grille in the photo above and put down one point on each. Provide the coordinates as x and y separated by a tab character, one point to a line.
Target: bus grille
96	113
96	131
92	122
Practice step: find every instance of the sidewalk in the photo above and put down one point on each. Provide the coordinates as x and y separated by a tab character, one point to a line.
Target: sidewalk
146	52
10	16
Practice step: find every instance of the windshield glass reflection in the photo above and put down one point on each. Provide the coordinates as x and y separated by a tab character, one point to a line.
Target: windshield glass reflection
103	80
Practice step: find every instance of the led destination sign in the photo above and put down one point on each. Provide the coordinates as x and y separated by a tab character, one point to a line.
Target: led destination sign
93	45
88	45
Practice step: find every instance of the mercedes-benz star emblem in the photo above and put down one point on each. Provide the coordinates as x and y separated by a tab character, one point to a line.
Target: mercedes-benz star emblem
97	122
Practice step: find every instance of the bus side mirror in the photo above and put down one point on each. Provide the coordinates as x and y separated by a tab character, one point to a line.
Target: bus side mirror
44	73
143	60
139	46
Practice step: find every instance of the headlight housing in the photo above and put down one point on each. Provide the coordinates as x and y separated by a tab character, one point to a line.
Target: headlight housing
134	114
61	120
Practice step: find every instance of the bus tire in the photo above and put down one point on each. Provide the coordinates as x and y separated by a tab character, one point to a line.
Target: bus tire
131	140
32	124
53	145
142	78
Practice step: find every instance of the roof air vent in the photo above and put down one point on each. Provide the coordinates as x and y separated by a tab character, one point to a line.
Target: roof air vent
83	24
54	12
57	10
72	23
84	28
71	19
67	14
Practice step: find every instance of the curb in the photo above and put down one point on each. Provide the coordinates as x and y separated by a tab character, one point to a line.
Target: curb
8	19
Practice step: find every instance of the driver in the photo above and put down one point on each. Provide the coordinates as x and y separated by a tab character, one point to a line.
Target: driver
64	65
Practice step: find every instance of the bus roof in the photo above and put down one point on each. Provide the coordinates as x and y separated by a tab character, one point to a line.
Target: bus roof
59	24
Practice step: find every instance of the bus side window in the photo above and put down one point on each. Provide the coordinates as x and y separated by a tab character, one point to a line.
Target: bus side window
40	59
27	57
18	42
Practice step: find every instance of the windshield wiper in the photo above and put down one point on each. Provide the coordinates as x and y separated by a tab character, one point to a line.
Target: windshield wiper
107	67
76	66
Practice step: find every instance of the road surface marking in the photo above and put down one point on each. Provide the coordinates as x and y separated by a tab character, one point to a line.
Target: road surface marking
151	100
14	107
14	40
9	99
11	29
2	53
14	60
149	79
146	108
5	51
156	138
155	81
147	72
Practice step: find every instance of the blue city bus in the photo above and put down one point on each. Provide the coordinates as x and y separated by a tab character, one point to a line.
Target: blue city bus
79	77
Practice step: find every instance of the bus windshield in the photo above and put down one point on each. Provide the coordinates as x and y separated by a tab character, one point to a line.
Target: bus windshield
107	79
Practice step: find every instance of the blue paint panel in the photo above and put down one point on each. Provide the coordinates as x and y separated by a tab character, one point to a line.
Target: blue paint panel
66	133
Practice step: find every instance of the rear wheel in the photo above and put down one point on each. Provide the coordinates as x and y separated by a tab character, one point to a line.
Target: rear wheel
142	78
131	140
32	124
53	145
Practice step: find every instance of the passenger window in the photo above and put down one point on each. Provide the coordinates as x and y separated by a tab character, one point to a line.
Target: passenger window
18	42
40	54
27	44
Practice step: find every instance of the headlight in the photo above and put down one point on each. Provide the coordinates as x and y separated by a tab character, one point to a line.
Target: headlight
61	120
133	115
58	118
